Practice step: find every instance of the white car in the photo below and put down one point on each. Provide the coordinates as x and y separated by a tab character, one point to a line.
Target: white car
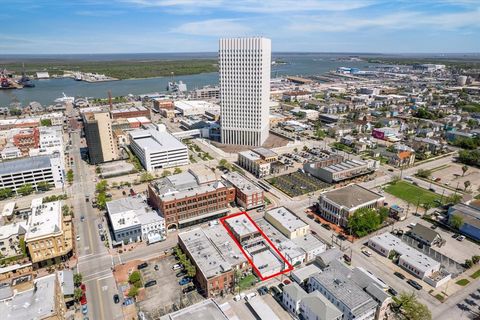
461	238
366	252
78	238
177	267
250	295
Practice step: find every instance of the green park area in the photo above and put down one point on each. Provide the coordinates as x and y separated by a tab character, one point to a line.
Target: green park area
412	194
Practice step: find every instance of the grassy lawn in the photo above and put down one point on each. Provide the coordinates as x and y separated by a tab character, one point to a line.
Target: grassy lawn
462	282
475	275
410	193
247	282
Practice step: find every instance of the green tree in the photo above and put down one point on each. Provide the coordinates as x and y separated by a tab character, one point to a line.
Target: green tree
191	270
426	206
15	112
224	164
177	171
102	200
383	214
77	279
464	169
133	292
46	122
363	221
454	198
407	307
70	176
295	150
102	186
146	176
166	173
5	193
468	263
422	173
77	294
23	246
475	259
25	190
456	221
134	277
320	134
44	185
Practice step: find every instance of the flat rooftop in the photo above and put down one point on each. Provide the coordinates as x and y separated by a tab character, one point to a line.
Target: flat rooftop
286	218
351	196
264	152
241	225
414	257
212	249
155	141
204	310
32	304
345	165
345	290
242	183
24	164
131	211
46	219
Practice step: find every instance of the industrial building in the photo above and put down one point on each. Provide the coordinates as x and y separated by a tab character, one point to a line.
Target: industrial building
347	169
158	149
470	219
244	62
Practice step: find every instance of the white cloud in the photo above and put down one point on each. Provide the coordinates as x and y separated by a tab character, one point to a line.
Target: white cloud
399	20
258	6
213	28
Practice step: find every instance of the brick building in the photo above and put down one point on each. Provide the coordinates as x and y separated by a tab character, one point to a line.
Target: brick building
190	198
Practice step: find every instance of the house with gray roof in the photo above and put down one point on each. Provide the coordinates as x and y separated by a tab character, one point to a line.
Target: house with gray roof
317	307
425	234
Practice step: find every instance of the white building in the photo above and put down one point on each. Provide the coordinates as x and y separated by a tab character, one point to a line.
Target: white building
194	107
158	149
287	223
10	235
32	170
244	90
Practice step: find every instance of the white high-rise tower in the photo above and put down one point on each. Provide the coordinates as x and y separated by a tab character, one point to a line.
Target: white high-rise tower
244	90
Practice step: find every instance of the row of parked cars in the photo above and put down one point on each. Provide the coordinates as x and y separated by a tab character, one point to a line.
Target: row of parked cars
411	282
185	280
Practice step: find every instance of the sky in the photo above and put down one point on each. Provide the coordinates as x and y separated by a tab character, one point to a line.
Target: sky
134	26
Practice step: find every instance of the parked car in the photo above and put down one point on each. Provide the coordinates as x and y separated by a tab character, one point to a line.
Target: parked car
455	235
460	238
82	218
262	290
184	281
150	283
78	238
188	289
84	309
116	298
280	286
239	297
392	291
286	281
142	266
177	266
433	227
342	237
431	189
181	274
326	226
347	258
398	274
414	284
156	267
100	226
366	252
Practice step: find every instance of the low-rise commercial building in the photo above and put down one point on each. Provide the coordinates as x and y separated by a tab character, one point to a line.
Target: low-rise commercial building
194	107
130	112
257	161
32	170
158	149
344	293
41	300
337	205
410	259
131	220
49	234
216	257
287	223
247	194
190	198
347	169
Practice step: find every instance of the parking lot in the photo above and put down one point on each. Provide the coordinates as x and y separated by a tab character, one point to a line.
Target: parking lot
452	175
297	183
167	294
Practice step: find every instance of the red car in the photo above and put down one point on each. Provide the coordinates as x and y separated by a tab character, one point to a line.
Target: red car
83	300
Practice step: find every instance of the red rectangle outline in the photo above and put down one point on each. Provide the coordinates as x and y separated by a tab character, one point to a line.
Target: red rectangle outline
290	267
